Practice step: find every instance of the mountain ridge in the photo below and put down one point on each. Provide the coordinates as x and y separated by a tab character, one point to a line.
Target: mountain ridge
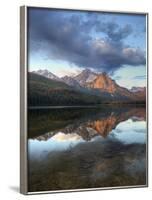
97	84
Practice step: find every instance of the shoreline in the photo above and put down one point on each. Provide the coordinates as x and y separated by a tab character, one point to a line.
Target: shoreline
84	106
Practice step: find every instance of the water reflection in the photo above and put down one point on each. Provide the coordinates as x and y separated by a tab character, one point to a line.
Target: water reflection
86	148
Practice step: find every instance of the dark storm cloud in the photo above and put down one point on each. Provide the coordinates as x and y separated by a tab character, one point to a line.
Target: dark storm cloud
113	30
70	37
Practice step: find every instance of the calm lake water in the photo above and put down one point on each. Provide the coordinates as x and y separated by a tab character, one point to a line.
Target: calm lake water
72	148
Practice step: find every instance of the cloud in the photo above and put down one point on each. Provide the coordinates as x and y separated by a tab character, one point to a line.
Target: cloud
114	31
118	78
71	36
140	77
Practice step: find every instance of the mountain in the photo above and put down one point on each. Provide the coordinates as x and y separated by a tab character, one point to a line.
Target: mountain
47	92
85	76
46	74
66	79
139	92
138	89
104	86
71	81
98	86
104	83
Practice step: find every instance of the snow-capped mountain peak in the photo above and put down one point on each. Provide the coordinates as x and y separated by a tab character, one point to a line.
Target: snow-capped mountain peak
47	74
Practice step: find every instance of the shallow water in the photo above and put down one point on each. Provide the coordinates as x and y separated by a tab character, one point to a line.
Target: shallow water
72	148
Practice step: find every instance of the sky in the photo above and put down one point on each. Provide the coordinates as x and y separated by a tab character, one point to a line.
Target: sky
65	42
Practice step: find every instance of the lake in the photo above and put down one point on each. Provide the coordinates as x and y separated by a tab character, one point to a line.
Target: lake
80	148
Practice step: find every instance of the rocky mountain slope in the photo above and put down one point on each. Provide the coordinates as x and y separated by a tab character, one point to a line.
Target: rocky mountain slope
86	76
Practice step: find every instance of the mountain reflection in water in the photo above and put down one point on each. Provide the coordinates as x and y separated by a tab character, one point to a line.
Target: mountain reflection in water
86	148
